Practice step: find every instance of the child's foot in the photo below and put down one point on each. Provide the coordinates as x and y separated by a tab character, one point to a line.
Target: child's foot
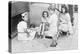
53	45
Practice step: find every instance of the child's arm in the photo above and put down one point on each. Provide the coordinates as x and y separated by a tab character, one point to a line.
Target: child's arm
26	31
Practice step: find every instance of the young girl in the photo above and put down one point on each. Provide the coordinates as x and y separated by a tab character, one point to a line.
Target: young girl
44	23
65	22
24	33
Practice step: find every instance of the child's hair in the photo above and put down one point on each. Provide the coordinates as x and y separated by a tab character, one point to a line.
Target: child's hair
45	12
66	10
51	7
32	26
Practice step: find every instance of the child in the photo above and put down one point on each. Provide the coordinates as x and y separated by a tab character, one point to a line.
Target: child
53	23
22	28
44	24
65	22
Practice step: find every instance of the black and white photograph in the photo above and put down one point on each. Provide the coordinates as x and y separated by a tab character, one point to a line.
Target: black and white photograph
40	26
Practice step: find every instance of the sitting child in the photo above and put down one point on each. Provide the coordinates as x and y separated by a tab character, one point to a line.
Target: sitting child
24	33
44	24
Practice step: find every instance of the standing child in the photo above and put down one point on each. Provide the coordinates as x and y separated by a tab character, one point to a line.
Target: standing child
53	25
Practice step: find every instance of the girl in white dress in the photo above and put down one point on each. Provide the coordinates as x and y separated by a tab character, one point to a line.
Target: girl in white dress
53	26
24	33
65	22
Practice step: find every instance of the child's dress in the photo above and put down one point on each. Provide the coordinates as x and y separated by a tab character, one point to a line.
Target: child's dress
66	25
23	32
21	27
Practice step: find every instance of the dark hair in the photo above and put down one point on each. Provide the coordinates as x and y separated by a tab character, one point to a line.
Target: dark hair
66	10
45	12
32	25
